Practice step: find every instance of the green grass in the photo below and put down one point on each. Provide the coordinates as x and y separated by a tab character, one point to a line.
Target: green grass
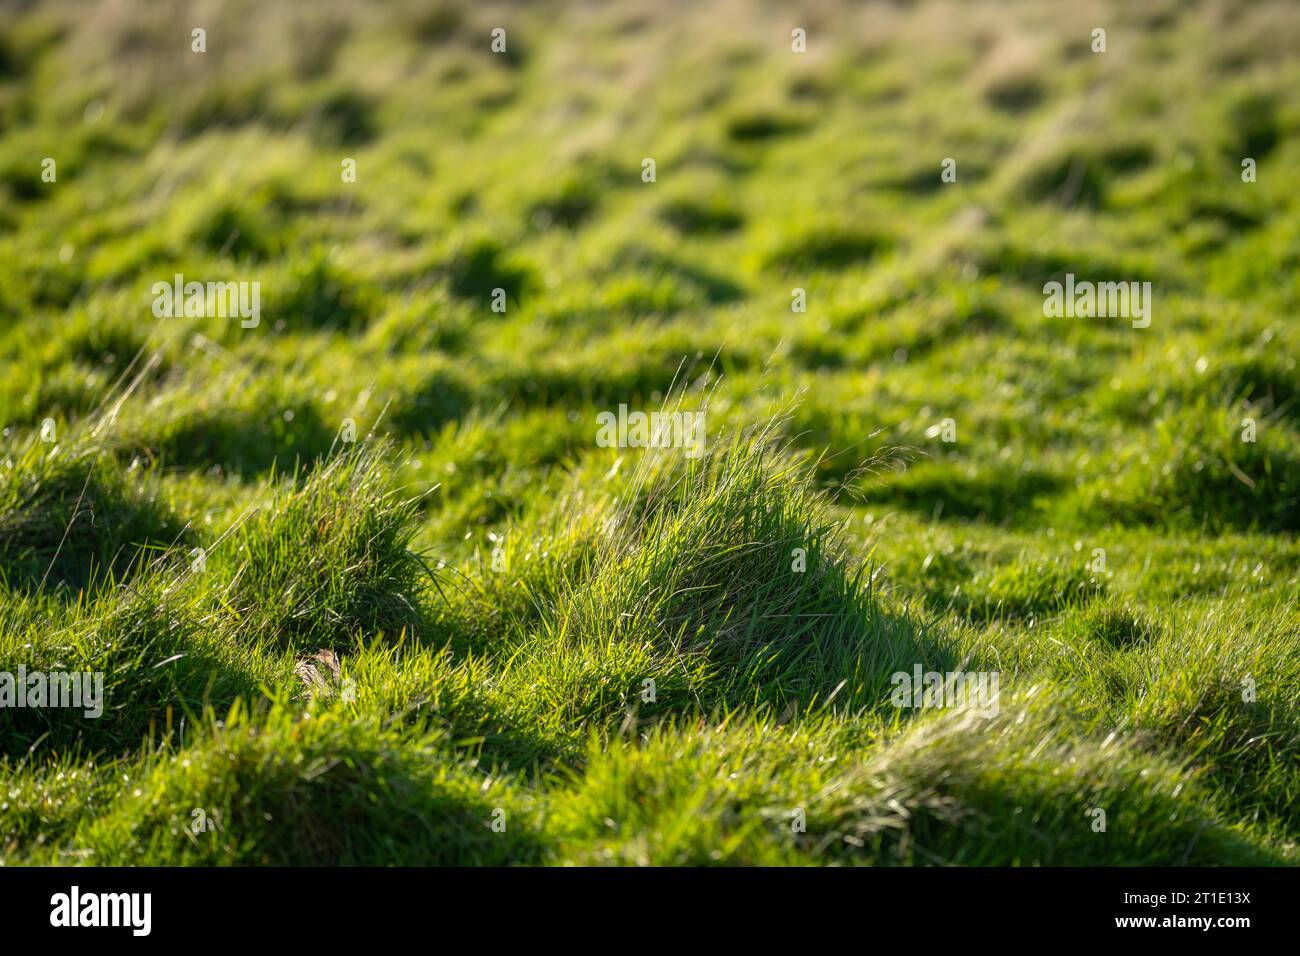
473	635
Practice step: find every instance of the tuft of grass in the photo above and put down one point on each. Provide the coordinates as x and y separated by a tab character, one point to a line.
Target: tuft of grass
325	560
71	520
278	790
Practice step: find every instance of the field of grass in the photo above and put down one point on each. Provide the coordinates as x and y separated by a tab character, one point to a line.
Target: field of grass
362	584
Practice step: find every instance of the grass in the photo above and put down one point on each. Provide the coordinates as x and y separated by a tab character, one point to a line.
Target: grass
364	588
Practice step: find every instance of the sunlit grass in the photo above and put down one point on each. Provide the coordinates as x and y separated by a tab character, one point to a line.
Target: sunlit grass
363	586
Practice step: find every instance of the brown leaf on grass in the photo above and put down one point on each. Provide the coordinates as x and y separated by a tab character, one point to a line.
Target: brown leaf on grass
319	672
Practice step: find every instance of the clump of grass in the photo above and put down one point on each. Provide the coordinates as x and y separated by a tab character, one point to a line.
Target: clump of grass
569	207
329	558
160	654
233	228
320	293
1015	91
1222	688
443	395
230	424
335	789
827	248
1197	471
1114	625
1023	590
72	518
995	492
341	117
935	794
760	125
475	270
734	557
695	217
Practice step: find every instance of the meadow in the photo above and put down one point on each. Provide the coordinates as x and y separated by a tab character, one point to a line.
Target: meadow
364	582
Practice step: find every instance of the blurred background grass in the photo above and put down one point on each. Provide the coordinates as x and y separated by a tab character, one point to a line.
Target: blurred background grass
776	170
